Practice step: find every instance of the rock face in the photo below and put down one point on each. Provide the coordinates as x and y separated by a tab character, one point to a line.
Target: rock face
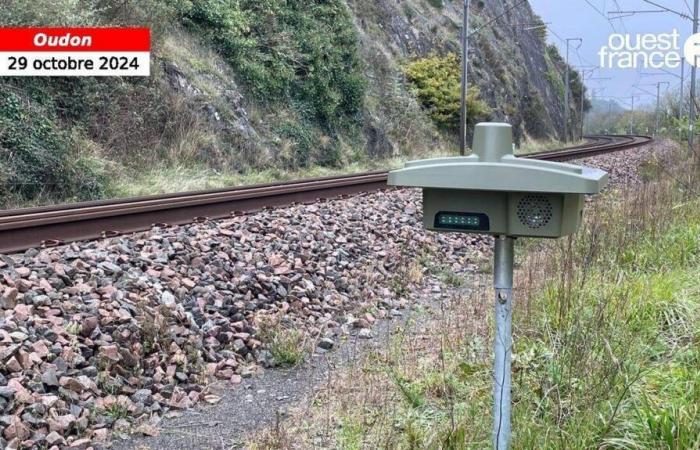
508	63
227	118
507	55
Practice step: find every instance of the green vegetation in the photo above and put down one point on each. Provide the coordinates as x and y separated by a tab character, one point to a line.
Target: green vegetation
301	52
239	90
287	346
298	59
554	76
117	411
534	114
615	116
436	82
178	178
41	158
607	355
540	28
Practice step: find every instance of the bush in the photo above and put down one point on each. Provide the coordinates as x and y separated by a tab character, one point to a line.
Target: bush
47	13
437	84
534	114
37	157
303	52
302	144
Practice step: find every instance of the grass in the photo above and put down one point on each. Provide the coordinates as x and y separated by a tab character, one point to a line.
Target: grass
606	350
117	411
288	346
535	146
183	179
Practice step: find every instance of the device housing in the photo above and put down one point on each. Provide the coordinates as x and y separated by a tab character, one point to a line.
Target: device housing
494	192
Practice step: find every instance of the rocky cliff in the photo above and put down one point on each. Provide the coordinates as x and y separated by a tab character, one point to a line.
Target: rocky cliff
517	74
243	86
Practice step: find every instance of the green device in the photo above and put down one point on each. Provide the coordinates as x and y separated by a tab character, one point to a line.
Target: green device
494	192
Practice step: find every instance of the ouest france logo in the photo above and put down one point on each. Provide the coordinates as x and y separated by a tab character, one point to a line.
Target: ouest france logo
649	51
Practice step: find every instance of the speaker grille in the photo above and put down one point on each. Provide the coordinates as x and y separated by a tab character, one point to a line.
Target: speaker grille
534	211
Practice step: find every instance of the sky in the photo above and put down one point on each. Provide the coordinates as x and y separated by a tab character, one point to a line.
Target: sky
588	19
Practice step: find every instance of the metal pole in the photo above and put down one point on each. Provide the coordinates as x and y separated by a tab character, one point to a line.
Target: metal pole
692	81
567	89
680	105
465	66
632	117
680	102
503	283
566	95
658	95
583	97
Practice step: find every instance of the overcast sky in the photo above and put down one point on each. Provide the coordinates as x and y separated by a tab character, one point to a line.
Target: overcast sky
588	20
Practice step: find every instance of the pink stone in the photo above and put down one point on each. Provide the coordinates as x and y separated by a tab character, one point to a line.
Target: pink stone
13	365
16	430
110	352
41	349
23	272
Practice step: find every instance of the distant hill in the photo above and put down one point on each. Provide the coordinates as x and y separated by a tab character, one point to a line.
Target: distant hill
606	106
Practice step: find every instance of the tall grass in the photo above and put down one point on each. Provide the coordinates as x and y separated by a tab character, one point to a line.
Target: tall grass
608	354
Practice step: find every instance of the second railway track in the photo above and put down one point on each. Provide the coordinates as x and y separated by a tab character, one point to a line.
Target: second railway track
55	225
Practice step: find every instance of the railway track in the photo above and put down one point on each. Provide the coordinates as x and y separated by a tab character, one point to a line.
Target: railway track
55	225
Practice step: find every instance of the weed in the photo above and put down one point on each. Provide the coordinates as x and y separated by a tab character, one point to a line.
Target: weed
410	392
450	278
117	411
108	383
275	438
287	346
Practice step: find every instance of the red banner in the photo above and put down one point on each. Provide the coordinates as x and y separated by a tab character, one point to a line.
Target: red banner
75	39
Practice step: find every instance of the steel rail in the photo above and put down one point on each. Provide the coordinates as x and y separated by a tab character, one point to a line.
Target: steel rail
55	225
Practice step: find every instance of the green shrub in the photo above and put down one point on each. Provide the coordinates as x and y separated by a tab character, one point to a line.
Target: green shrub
540	28
38	158
436	83
302	144
287	347
47	13
303	52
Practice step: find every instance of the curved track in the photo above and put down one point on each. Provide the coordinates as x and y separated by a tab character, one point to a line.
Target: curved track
54	225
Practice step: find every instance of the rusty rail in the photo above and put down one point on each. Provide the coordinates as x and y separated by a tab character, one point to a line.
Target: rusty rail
56	225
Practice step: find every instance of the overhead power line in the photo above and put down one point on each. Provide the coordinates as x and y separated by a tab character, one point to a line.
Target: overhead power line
690	10
685	16
622	22
506	11
601	13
